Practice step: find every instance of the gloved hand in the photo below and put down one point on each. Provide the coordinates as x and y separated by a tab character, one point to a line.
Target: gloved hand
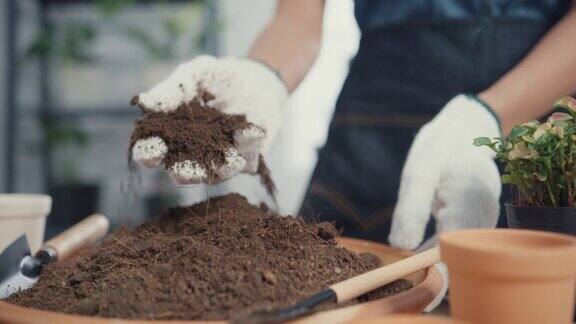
235	86
446	176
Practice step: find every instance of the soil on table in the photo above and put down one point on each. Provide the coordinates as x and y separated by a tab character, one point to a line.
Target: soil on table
214	260
196	132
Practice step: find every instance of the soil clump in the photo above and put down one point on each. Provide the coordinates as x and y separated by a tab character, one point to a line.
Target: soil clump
196	132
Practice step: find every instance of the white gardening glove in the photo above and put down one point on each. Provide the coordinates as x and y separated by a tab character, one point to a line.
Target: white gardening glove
446	176
238	86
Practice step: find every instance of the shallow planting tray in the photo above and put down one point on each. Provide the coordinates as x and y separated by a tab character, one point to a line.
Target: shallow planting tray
427	285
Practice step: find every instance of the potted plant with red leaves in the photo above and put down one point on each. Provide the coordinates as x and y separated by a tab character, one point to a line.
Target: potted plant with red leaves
540	164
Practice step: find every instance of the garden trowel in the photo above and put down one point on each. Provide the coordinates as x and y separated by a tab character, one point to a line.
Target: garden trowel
348	289
19	270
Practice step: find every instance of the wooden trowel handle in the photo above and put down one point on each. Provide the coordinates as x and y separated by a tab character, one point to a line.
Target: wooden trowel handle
371	280
82	234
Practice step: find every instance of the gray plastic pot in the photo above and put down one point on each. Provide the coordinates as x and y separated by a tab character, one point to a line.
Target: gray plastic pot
552	219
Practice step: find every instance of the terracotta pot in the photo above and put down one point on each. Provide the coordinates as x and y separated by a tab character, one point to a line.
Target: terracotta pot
510	276
428	285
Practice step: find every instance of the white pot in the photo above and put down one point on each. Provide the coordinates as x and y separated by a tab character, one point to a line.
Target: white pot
23	214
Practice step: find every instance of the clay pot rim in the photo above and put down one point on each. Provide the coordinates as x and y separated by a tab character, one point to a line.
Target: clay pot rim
461	238
510	252
411	319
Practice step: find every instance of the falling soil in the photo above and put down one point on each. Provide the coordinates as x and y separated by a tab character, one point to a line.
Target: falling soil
265	177
196	132
210	261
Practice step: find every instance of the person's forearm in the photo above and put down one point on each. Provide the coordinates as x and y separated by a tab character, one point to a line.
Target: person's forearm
290	43
545	74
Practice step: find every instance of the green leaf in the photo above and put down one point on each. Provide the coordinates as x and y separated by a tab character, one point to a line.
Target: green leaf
508	179
542	130
567	103
514	178
528	138
541	176
518	131
558	117
481	141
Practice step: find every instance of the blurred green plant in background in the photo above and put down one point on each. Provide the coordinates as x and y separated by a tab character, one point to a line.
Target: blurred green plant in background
540	158
73	45
158	48
71	40
65	140
111	7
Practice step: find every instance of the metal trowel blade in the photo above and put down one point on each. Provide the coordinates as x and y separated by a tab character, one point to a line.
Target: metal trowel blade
18	269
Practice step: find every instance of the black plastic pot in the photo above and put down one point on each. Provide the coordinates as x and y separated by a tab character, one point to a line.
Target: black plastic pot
70	204
552	219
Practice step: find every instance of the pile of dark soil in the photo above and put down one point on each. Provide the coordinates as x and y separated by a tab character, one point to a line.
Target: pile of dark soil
195	132
210	261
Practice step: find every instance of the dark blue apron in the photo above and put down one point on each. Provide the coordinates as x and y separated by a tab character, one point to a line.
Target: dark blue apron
402	75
